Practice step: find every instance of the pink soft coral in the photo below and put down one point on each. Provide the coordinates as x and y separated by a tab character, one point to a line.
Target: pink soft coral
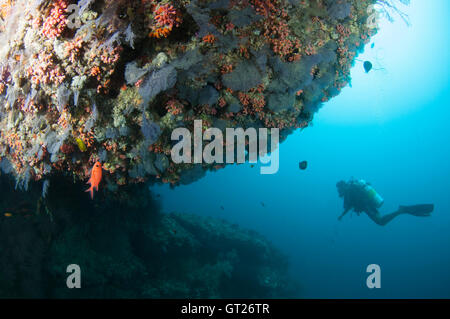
56	22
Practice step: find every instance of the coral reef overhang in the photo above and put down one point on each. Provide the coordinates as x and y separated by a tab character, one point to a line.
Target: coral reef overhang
109	80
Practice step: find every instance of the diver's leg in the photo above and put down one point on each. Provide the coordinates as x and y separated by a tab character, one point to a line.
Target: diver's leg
381	220
374	215
387	218
416	210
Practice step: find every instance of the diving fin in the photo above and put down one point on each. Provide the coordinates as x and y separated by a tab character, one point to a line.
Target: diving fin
423	210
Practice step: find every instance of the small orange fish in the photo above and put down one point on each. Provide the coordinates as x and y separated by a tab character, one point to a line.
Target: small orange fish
8	214
96	177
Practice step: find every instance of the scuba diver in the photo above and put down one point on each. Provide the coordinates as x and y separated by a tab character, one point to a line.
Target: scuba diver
361	197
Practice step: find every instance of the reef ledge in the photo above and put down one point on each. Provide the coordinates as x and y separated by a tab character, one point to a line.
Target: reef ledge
89	80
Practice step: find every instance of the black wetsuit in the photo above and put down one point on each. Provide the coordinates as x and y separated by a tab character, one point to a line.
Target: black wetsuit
355	198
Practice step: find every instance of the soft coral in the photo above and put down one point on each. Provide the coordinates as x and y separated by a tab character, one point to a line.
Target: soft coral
56	22
166	17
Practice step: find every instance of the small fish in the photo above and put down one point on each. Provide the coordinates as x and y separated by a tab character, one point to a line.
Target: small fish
367	66
81	146
263	205
303	165
221	207
8	214
252	166
96	177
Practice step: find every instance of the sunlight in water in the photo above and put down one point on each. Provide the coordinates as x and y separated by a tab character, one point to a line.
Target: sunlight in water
399	83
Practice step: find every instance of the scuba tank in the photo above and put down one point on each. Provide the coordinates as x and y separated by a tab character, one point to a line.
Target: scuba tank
372	194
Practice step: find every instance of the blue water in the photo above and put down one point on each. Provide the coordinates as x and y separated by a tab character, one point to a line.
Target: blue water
390	128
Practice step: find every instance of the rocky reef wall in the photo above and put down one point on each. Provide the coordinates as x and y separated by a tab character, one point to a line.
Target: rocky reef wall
127	248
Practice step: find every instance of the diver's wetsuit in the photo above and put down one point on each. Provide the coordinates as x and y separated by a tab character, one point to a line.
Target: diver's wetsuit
375	215
355	198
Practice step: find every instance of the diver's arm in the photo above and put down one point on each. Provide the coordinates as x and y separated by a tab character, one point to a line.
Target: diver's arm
344	213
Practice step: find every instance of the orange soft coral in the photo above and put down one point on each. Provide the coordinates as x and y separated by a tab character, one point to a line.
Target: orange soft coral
160	32
209	38
166	17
